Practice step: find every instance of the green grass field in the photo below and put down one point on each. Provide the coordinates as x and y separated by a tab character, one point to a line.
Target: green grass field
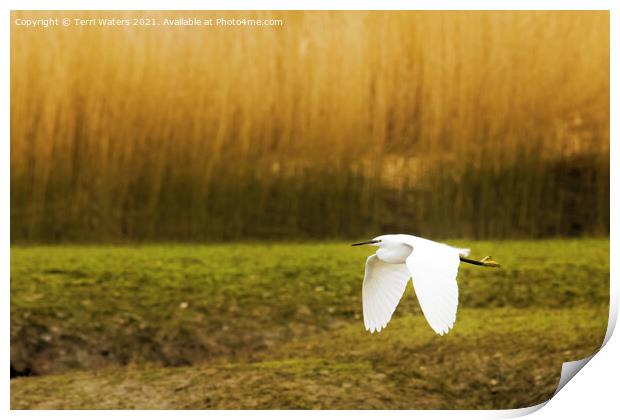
279	326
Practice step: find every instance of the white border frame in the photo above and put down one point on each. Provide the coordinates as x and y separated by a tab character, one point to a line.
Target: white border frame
596	385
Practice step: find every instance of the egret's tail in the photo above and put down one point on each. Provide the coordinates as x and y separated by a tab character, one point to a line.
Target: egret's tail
463	251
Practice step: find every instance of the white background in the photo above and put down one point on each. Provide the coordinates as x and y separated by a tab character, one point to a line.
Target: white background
592	394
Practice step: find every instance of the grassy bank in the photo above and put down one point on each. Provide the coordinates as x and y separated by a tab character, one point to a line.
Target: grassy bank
251	325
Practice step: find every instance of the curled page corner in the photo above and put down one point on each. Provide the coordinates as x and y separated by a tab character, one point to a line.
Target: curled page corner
570	369
519	412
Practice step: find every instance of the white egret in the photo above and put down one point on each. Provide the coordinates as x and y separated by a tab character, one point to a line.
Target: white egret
433	268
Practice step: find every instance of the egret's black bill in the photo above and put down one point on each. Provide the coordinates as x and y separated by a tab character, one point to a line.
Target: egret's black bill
366	243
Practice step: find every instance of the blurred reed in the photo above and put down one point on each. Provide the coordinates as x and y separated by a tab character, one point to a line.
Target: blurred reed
336	124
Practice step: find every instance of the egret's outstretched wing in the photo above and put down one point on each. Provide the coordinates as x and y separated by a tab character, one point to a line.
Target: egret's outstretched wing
384	285
433	267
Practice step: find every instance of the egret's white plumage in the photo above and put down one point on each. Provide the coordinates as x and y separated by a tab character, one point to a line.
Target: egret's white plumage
382	289
433	268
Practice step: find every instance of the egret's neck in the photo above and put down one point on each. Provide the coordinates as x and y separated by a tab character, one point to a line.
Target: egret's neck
394	253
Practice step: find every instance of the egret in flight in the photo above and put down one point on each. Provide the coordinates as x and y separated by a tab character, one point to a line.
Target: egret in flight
433	268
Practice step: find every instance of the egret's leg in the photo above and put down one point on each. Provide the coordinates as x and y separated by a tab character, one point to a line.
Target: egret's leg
485	262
